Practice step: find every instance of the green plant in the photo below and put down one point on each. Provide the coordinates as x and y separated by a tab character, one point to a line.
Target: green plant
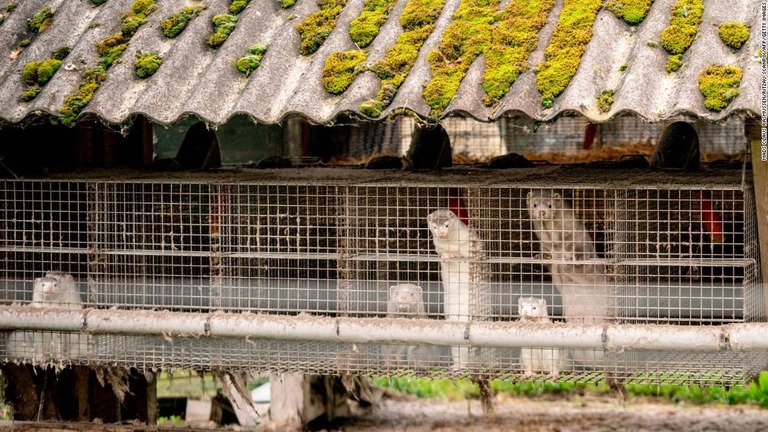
249	62
340	70
146	64
98	2
733	34
237	6
40	72
41	20
30	93
562	57
176	23
674	63
317	26
365	27
417	19
633	12
605	100
61	52
683	26
223	25
719	84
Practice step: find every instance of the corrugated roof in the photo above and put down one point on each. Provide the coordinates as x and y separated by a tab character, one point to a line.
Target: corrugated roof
196	79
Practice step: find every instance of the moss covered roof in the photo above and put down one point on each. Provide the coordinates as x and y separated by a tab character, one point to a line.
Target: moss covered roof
377	58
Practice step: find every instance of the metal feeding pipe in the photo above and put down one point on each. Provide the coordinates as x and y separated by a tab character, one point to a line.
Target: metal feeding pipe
305	327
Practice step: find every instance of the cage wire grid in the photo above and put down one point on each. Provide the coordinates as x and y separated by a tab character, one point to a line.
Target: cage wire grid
644	255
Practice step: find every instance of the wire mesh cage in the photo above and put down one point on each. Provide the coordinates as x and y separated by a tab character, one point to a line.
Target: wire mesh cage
555	249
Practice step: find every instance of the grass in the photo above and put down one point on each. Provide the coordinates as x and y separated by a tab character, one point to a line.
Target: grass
755	393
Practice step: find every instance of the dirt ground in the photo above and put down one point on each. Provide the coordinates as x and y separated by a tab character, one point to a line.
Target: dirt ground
581	413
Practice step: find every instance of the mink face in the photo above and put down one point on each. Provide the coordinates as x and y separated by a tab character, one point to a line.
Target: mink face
441	222
405	299
532	308
543	204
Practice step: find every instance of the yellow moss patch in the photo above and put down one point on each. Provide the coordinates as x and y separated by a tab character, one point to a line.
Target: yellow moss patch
223	25
417	20
463	40
41	20
110	49
682	30
562	57
237	6
512	42
147	63
734	34
177	22
317	26
605	100
633	12
340	70
365	27
252	60
720	85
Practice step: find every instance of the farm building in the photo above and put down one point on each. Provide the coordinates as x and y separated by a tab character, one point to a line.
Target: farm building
552	189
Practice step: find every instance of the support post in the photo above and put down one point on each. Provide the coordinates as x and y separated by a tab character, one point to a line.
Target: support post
760	180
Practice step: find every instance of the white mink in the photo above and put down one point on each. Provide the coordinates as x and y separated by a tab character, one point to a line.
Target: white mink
456	244
562	236
54	290
405	301
452	238
533	360
586	292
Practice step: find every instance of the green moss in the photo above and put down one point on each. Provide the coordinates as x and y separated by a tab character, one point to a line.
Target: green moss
110	49
605	100
371	108
340	70
652	44
29	72
677	39
237	6
249	62
562	57
720	85
682	30
734	34
30	93
512	42
465	38
38	73
61	52
285	4
674	63
136	17
317	26
417	20
142	7
7	9
633	12
41	20
223	25
46	70
176	23
98	2
365	27
146	64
